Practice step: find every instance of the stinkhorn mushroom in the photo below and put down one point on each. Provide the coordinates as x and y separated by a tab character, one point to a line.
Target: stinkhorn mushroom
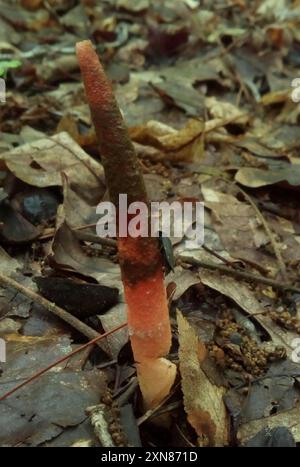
140	258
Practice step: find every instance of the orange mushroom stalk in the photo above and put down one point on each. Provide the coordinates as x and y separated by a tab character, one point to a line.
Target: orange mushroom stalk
140	258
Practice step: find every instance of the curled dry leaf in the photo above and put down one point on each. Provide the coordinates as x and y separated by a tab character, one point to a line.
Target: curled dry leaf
67	254
203	400
77	211
41	164
179	93
224	110
183	279
14	227
177	145
187	143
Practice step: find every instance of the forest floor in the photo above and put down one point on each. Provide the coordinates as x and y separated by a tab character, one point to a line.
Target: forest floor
211	99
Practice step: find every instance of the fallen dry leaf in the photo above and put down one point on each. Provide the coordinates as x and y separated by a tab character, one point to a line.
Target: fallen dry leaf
67	254
255	178
42	163
178	145
203	400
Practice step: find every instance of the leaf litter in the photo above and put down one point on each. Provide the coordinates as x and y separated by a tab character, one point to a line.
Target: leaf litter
207	95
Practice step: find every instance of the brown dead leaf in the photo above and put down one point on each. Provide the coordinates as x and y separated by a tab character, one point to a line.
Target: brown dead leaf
133	5
203	400
183	279
67	254
41	164
225	110
238	227
178	145
255	178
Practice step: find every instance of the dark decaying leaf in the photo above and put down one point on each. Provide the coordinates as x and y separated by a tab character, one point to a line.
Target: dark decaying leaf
129	425
288	419
37	205
82	300
57	400
68	254
14	228
181	95
279	437
44	409
268	397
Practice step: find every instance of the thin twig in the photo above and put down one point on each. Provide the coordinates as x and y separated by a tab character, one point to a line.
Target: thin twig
50	232
87	237
61	360
214	253
235	272
169	408
57	311
124	393
269	233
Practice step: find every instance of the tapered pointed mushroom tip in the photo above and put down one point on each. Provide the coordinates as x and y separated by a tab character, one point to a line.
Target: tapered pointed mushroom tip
89	61
97	86
82	46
